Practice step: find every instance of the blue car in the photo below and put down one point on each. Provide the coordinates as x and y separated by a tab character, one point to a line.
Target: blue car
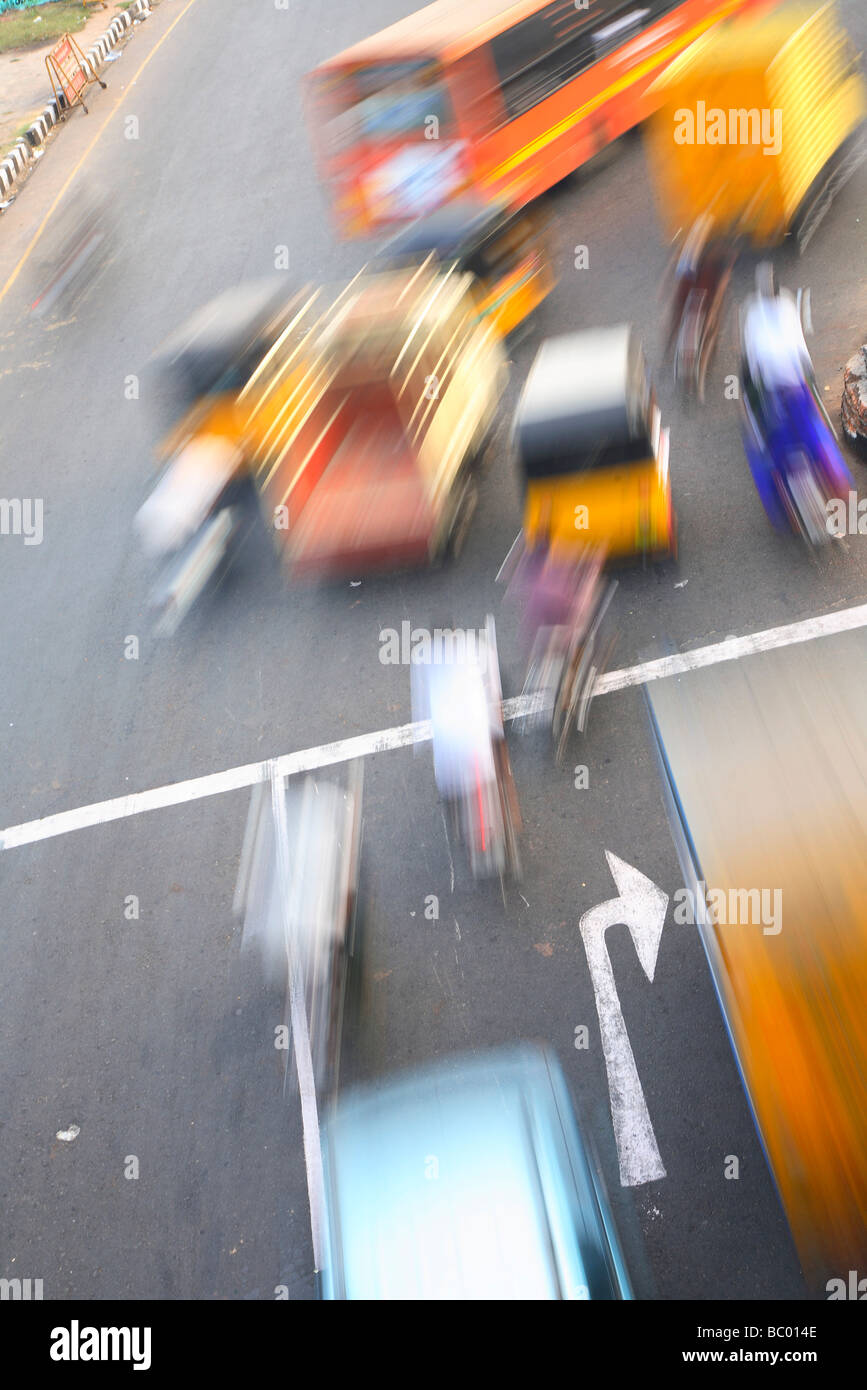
467	1179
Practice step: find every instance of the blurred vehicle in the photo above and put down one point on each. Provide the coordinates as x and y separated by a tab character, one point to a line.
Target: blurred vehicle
211	357
788	439
592	451
506	99
467	1179
204	504
564	604
506	251
191	524
459	691
298	892
853	406
367	436
701	273
760	122
764	767
73	253
353	420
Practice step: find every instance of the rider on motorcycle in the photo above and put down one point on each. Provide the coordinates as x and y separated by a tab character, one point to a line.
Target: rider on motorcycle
703	268
551	592
774	343
790	445
556	595
194	521
188	492
461	696
464	724
76	247
562	600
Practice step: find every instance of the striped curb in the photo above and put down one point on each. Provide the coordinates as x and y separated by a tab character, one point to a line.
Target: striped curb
20	158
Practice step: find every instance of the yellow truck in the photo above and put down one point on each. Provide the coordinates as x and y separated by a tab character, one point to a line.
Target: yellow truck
764	774
760	122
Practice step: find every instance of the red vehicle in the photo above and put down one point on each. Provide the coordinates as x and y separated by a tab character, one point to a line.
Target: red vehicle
365	436
506	99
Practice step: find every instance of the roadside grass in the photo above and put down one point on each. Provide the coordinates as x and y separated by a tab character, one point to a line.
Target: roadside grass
18	29
6	146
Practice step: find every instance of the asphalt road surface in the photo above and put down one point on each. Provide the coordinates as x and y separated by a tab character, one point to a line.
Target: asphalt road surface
153	1035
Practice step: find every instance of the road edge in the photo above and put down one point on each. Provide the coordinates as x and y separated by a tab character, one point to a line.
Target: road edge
17	165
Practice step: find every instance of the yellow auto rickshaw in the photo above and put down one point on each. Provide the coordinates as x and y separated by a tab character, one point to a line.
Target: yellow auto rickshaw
506	250
761	120
592	449
206	362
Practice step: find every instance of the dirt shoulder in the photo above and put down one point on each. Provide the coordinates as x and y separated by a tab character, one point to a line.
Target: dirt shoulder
24	84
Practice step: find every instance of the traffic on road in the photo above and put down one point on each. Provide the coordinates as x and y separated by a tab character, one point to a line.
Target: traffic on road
436	780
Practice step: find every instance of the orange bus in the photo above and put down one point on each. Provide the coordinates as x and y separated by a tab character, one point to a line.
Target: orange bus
506	98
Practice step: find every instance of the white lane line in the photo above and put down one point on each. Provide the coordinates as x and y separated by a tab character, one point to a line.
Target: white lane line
364	745
233	779
734	647
300	1031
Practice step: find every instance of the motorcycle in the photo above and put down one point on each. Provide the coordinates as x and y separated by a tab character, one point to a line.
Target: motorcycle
75	258
193	523
301	897
788	439
701	277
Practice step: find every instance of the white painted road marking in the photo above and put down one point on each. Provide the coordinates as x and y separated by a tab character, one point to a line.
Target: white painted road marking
641	906
732	648
213	784
300	1031
365	745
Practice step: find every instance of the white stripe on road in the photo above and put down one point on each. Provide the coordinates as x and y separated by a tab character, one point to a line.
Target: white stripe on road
308	759
734	647
233	779
300	1031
